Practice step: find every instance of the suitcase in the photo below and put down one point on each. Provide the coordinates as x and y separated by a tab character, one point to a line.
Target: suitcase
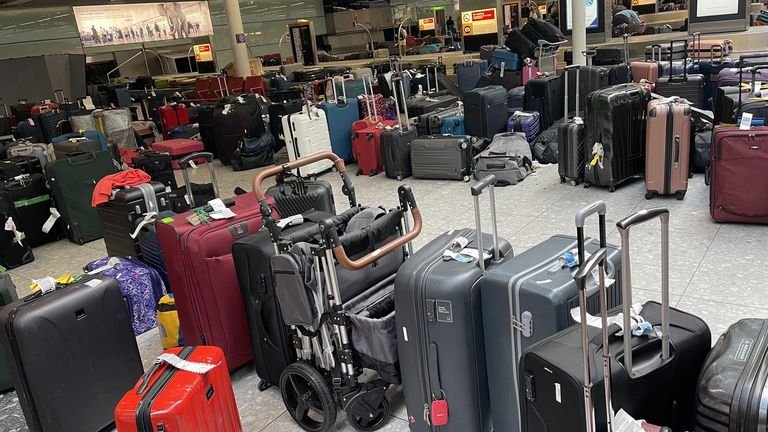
306	132
688	86
528	123
537	29
72	181
649	70
125	208
591	78
453	125
159	166
169	397
506	60
730	381
86	317
178	149
371	107
53	124
514	292
738	191
469	73
614	140
544	95
395	149
199	259
439	157
205	120
233	122
62	149
701	151
430	124
33	206
485	111
518	43
433	99
43	107
713	47
340	114
7	295
667	148
570	141
679	52
516	99
508	158
9	170
14	250
439	322
506	79
297	195
29	130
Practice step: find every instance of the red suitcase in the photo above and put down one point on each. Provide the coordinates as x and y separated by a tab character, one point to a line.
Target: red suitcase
201	272
43	108
366	147
173	116
178	148
739	184
169	399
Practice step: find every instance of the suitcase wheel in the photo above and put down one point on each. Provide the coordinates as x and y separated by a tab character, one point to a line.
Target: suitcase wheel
359	172
379	413
650	195
399	178
263	386
465	179
680	195
611	189
562	179
308	398
587	185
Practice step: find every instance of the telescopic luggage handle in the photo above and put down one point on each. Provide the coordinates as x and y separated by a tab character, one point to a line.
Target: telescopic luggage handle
568	68
672	58
626	280
184	163
477	189
596	207
400	84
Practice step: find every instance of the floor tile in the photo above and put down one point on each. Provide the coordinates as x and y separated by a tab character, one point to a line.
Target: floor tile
719	314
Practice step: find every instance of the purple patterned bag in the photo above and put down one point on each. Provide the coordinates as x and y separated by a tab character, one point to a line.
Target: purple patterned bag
142	288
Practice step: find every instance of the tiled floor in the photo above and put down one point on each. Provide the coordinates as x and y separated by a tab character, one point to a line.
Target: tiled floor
718	272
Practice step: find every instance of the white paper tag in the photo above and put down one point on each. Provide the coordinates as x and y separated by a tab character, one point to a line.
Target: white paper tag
185	365
46	284
10	225
31	122
758	84
51	220
93	283
624	422
193	164
473	253
220	210
746	121
764	94
501	72
88	103
46	101
290	221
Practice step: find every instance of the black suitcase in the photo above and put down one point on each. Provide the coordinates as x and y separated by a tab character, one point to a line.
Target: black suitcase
430	124
591	78
654	378
14	251
621	73
614	142
67	347
296	195
485	111
506	79
233	123
205	121
570	138
420	105
544	95
440	329
732	381
126	207
62	149
689	87
52	124
159	166
276	113
27	164
33	204
519	44
9	170
441	157
395	145
537	29
8	295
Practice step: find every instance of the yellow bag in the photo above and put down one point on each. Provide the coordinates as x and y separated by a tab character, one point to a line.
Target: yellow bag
168	322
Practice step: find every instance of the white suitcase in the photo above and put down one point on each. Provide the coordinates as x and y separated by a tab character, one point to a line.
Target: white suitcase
363	73
306	132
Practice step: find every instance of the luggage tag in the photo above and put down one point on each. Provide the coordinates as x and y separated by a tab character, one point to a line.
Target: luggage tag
55	215
193	164
503	68
439	411
18	236
44	285
597	151
220	210
746	121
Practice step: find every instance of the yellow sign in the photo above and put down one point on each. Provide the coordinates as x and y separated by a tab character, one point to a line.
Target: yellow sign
426	24
203	53
479	22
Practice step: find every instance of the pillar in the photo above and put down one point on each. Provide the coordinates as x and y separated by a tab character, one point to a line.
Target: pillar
499	21
579	33
239	48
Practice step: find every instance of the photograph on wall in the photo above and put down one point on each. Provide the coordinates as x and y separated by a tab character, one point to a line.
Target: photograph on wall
138	23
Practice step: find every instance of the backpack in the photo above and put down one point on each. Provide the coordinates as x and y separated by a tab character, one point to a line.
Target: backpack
508	158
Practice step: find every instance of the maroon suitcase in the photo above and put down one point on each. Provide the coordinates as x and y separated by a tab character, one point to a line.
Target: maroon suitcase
739	185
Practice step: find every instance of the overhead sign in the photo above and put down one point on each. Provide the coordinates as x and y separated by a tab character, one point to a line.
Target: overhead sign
203	53
426	24
105	25
479	22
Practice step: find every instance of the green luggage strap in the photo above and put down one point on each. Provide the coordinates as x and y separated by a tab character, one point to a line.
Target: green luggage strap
32	201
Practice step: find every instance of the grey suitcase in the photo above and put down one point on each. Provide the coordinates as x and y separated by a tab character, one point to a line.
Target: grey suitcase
439	328
687	86
442	157
537	302
430	124
485	111
469	73
570	139
515	99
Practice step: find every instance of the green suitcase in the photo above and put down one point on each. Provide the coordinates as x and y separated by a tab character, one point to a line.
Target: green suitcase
7	295
72	181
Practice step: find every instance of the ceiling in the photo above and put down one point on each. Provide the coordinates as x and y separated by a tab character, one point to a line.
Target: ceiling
13	4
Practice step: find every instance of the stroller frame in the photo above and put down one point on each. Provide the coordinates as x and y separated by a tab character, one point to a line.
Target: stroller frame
326	375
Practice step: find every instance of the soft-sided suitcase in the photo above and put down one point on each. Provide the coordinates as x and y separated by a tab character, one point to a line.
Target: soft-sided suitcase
178	149
43	152
485	111
340	114
14	250
544	95
518	43
537	29
732	381
469	73
306	132
738	189
508	158
516	99
173	396
72	181
235	121
297	195
440	157
667	148
614	142
537	300
570	141
87	317
205	114
395	149
158	165
33	204
62	149
124	209
439	329
7	295
653	377
688	86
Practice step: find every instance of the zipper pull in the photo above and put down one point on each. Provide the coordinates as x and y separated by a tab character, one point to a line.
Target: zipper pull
426	415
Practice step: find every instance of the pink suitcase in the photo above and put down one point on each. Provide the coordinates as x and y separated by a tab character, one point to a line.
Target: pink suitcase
530	70
178	148
648	70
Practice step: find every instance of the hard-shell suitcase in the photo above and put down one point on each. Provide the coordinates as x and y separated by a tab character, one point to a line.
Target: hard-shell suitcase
485	111
439	329
440	157
706	47
544	95
591	78
453	125
506	60
676	52
41	151
537	300
525	122
297	195
654	377
178	149
395	149
124	209
205	115
433	99
430	124
158	165
570	141
7	295
340	114
306	132
732	381
19	165
33	204
688	86
72	181
469	73
614	141
87	317
667	148
178	397
14	251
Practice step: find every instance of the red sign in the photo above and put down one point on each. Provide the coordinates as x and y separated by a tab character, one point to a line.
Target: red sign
484	15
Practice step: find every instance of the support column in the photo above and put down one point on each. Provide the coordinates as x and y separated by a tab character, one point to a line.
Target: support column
579	33
499	21
239	48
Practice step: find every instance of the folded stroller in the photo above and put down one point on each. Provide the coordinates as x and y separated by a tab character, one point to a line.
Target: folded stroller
334	282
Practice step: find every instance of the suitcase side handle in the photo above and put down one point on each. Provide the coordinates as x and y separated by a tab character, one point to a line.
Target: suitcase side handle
624	226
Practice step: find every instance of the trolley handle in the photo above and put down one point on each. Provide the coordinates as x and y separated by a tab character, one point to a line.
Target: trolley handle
298	163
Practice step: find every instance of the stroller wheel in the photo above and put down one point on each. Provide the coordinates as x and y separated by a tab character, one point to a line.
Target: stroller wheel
376	422
307	398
